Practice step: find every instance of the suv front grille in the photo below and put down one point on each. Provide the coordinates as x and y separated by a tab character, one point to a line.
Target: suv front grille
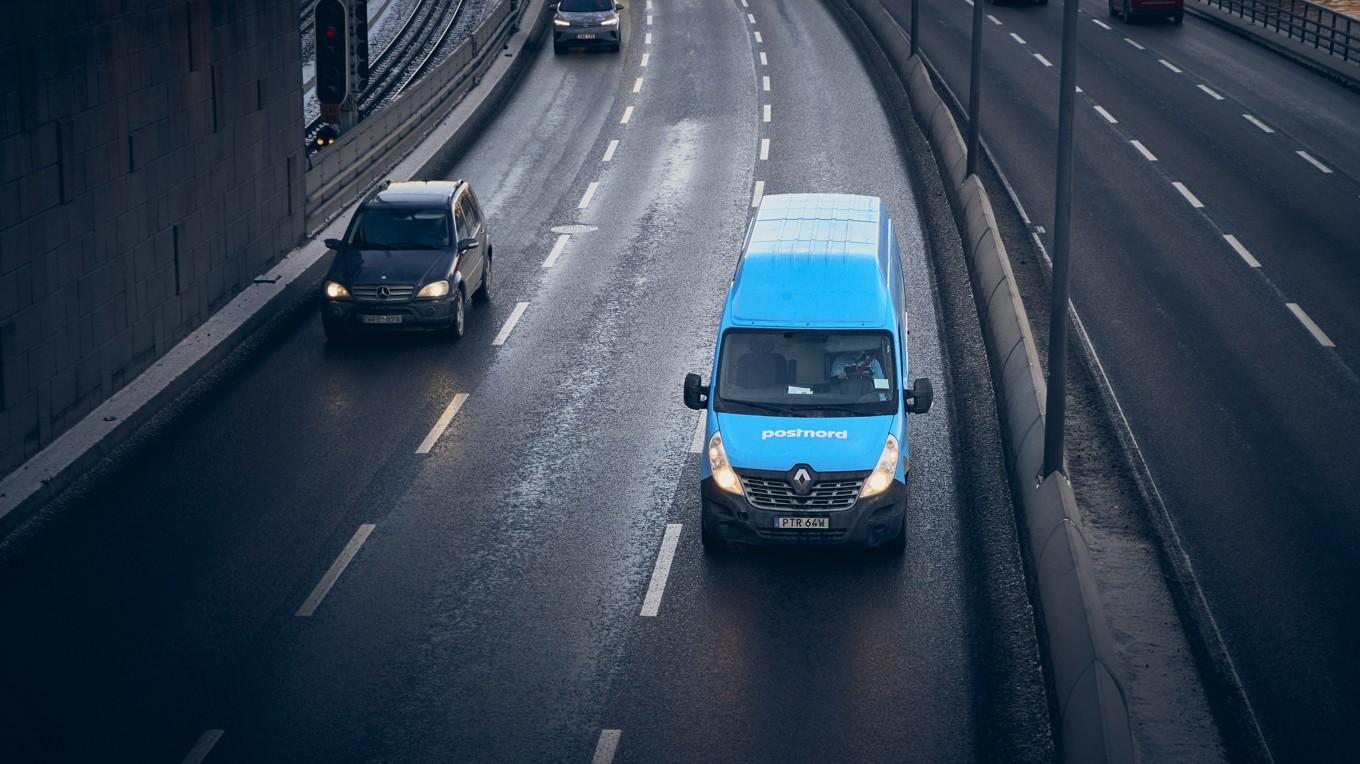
777	494
369	292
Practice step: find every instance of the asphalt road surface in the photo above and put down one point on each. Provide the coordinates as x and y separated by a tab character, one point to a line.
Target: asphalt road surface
419	550
1248	413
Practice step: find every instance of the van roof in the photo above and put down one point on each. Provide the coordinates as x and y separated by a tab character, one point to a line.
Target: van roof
816	260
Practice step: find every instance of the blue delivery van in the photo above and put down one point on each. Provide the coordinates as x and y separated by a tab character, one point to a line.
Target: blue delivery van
806	441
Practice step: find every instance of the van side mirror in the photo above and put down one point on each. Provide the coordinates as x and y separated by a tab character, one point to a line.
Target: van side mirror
334	244
696	392
918	399
466	244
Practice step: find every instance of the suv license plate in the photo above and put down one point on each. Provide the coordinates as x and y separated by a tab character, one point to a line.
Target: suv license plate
802	523
380	319
585	36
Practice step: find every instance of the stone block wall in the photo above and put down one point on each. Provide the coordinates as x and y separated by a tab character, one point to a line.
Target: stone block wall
151	166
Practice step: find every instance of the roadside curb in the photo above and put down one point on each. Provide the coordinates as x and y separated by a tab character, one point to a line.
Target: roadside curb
1321	62
295	277
1091	714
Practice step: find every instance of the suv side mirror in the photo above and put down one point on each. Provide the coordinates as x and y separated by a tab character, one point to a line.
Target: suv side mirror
334	244
618	6
466	244
918	399
696	392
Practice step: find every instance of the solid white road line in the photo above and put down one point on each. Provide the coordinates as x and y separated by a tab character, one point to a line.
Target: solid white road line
1101	24
759	38
1210	93
1043	60
203	747
605	748
1148	155
1241	250
765	83
589	194
764	149
627	115
637	85
1108	116
696	444
1169	65
1018	38
610	149
764	61
652	603
1310	160
645	58
1134	43
1189	197
1308	324
442	424
510	323
1264	127
994	19
333	574
557	248
765	113
758	194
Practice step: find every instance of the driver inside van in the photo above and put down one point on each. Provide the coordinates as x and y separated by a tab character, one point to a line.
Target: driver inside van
857	365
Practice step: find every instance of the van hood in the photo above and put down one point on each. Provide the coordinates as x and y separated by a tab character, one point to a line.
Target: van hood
826	444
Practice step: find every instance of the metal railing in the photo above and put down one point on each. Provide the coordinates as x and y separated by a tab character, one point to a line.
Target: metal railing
1309	23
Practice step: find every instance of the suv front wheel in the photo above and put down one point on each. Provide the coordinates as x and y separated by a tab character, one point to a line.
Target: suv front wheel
457	323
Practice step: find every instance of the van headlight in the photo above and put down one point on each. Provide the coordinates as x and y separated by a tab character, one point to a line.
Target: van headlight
723	474
884	471
434	289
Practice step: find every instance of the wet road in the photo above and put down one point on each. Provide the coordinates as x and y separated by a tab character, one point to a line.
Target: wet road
482	584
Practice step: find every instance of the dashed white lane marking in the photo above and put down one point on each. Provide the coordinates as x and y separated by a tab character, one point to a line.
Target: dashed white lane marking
589	194
203	747
610	149
605	748
645	58
1108	116
970	2
759	38
1018	38
647	40
1043	60
649	19
442	424
764	149
994	19
333	574
627	115
751	18
510	322
1189	197
764	61
1313	328
637	85
1241	250
651	605
696	443
765	113
1169	65
1101	24
1210	93
758	194
1148	155
1134	43
557	248
744	5
1264	127
1310	160
1079	90
765	83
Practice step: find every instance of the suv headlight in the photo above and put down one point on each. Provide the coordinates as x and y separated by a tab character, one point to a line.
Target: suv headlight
612	21
723	474
884	471
434	289
336	291
558	21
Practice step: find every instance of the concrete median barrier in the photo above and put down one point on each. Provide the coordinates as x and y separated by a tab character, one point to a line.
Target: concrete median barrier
1092	720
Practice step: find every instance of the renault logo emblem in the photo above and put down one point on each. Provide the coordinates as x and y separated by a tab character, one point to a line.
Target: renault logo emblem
384	292
802	479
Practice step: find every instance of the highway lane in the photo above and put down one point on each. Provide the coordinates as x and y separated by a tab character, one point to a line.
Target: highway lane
304	565
1248	421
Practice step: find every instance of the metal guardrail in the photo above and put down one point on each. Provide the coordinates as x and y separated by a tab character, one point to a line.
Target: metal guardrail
1309	23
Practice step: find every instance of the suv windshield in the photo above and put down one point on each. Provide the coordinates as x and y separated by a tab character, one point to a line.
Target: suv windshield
808	373
400	228
586	6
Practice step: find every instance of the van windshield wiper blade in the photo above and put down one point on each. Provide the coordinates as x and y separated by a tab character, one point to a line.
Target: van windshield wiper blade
772	407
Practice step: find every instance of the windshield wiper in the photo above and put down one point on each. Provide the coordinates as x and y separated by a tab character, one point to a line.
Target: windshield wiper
842	409
771	407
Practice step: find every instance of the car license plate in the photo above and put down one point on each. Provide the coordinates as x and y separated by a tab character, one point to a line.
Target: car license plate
588	36
802	523
380	319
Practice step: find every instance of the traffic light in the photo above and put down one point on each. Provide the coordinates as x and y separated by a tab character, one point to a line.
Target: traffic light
332	51
358	10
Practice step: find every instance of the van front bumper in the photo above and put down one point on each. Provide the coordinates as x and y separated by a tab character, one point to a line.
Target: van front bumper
870	522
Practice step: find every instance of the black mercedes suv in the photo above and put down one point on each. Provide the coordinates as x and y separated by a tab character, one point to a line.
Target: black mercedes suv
414	253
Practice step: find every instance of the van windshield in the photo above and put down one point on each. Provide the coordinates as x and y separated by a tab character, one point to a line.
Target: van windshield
807	373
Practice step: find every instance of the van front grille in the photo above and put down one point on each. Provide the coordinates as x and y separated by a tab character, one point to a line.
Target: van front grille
777	494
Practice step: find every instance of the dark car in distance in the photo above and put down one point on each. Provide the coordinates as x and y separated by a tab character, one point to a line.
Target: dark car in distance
589	23
413	255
